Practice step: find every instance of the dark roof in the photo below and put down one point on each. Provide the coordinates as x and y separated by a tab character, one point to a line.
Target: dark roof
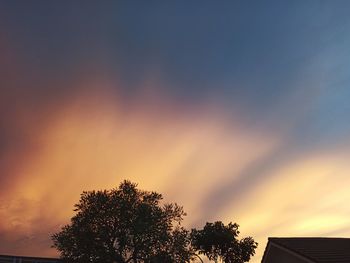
330	250
25	259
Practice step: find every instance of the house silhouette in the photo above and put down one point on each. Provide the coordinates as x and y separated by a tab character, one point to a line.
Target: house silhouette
307	250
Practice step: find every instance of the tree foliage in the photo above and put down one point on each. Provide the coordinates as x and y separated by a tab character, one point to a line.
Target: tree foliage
126	224
217	241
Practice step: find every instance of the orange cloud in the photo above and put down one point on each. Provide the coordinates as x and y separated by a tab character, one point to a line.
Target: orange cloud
94	141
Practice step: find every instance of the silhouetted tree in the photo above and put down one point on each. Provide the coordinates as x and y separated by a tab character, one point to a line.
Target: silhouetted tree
124	225
127	225
217	241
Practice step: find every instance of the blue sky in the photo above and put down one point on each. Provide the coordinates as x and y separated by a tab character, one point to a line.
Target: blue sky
245	54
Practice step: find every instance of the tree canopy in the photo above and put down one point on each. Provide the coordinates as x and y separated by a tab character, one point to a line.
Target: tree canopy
126	224
217	241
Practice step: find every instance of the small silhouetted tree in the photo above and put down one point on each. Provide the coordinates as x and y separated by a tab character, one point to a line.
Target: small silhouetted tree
217	241
127	225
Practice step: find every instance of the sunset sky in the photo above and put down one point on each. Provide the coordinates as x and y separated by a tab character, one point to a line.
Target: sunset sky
237	110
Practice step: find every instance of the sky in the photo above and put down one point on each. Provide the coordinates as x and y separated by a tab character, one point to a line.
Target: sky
237	110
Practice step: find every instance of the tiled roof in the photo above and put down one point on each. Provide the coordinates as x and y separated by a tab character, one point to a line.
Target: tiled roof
323	250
